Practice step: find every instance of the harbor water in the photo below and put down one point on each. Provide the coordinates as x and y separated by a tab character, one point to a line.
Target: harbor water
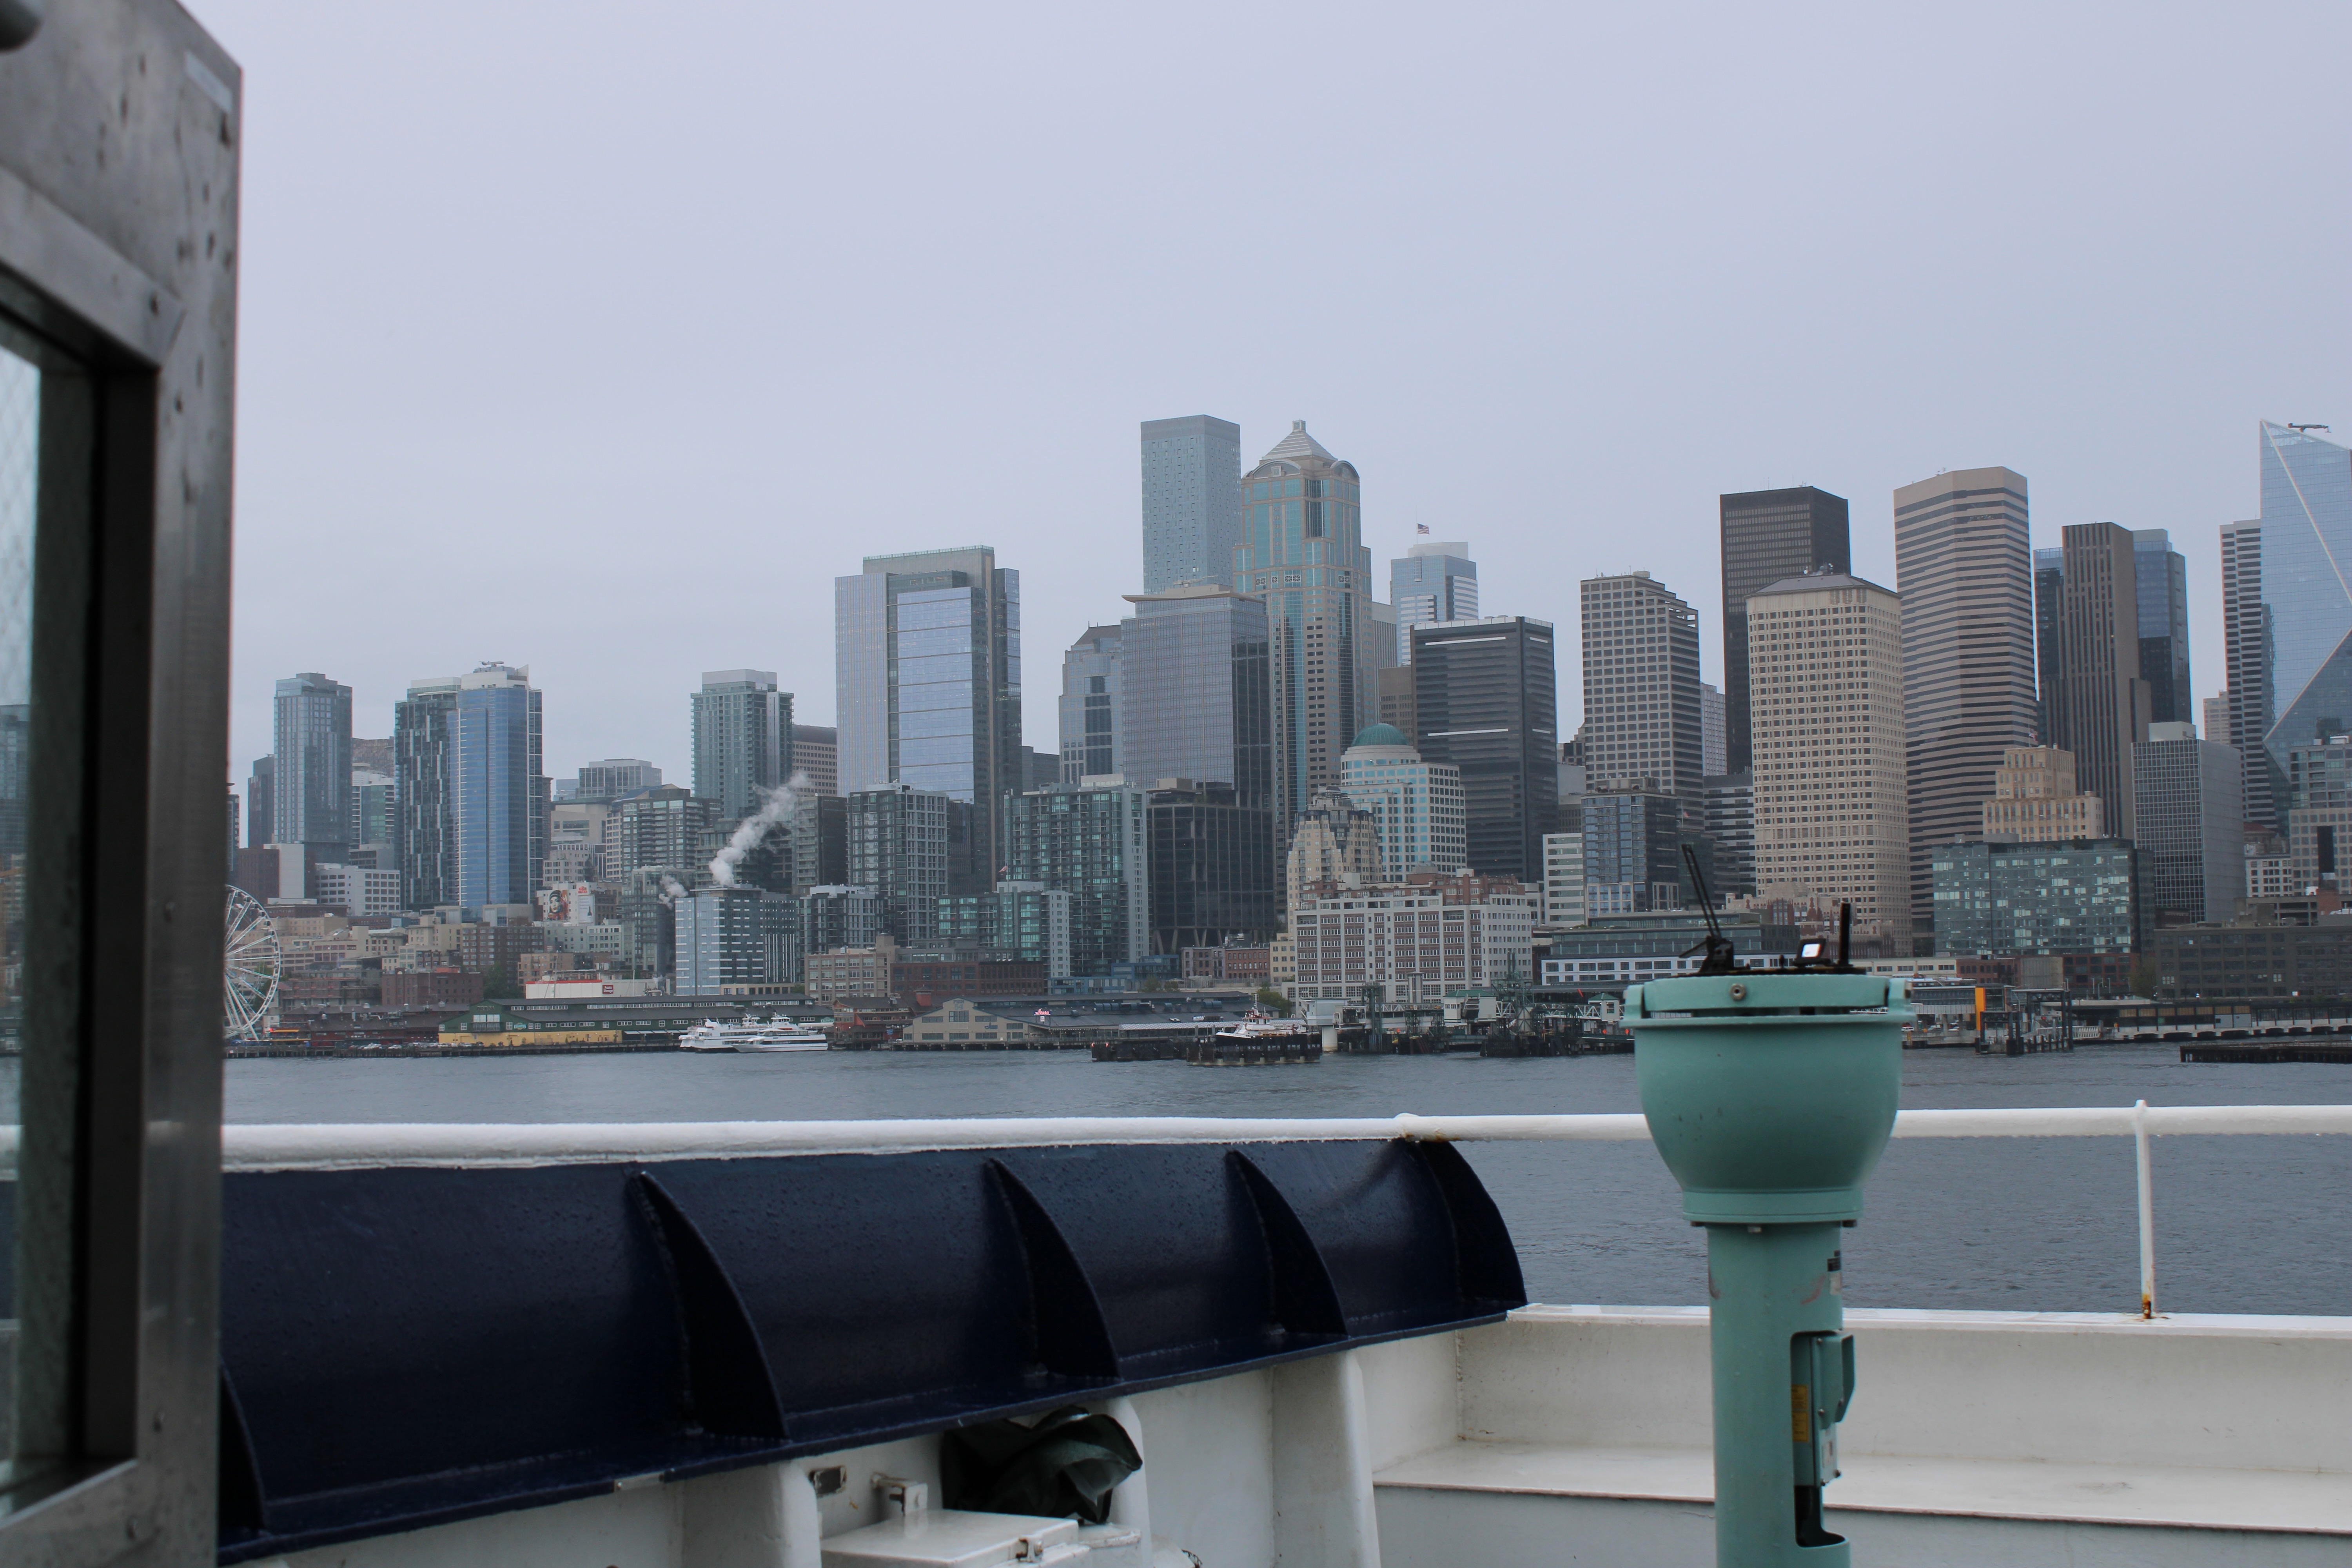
2244	1224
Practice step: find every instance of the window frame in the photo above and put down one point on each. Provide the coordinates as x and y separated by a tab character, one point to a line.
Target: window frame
126	263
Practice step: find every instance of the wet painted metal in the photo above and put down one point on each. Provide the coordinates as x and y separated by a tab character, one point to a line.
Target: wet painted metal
1770	1097
403	1347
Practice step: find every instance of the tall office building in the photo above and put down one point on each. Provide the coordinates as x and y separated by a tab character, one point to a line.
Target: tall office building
1714	741
2034	800
1211	864
816	750
1563	883
1832	817
927	671
1964	570
2192	825
2246	651
1416	803
1486	700
614	777
500	790
1728	815
1192	501
2163	586
1633	849
2099	711
736	937
819	830
1197	695
1336	840
1641	684
2319	816
1093	844
1768	535
375	806
2049	598
313	779
1303	554
1090	711
742	739
2305	568
1436	580
899	846
424	792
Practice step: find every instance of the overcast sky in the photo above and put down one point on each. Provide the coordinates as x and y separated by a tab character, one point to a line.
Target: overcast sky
602	338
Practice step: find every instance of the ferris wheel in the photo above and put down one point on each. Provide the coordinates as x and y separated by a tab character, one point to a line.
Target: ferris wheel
251	962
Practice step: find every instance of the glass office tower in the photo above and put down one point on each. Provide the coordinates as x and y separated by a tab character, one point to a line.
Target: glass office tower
1192	501
2306	579
1091	675
1303	554
2164	628
1768	535
926	674
500	792
1436	580
1487	701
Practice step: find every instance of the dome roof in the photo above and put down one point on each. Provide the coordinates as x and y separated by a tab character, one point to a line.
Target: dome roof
1379	735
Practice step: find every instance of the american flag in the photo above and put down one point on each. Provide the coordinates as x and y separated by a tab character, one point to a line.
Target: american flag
1421	528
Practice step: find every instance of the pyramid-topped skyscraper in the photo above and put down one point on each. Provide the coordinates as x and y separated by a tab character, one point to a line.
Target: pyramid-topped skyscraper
1302	549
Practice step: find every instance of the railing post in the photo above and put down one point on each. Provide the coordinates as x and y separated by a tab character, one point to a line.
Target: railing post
2146	1213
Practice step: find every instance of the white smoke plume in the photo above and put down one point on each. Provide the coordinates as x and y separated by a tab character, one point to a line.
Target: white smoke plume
754	827
672	889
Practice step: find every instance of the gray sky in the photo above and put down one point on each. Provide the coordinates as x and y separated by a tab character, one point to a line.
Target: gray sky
602	338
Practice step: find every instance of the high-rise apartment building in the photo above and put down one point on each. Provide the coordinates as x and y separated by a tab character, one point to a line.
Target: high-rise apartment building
1093	844
2246	649
899	845
2319	816
1641	684
2216	726
818	830
1090	708
1832	817
2305	568
375	806
2192	825
1768	535
261	795
501	789
1486	700
1416	804
1563	883
425	787
1633	849
927	671
1414	940
2088	895
1192	501
742	739
1964	570
1197	697
816	752
2162	578
614	777
659	831
313	777
1303	554
736	937
2100	710
2034	800
1436	580
1727	812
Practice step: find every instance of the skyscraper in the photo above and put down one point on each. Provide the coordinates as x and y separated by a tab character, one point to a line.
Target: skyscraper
1336	840
1768	535
313	778
736	936
613	777
2246	648
1192	501
1714	741
1091	671
2163	585
1486	700
898	845
425	792
1094	845
1211	865
1436	580
2100	710
2049	596
1303	554
1197	698
816	750
2191	824
1832	791
742	739
2306	566
927	671
1964	570
500	792
1641	684
261	797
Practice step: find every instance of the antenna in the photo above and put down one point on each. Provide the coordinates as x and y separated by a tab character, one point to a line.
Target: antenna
1718	947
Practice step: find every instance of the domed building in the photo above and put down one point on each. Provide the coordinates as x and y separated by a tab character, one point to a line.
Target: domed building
1416	805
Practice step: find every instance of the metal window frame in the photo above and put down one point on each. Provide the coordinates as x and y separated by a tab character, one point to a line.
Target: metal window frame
119	142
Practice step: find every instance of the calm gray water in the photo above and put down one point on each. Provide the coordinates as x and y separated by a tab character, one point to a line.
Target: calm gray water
2245	1225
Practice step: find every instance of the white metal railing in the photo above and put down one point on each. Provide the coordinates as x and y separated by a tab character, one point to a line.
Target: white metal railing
273	1146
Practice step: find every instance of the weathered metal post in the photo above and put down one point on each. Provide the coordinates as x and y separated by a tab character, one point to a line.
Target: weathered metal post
1770	1096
